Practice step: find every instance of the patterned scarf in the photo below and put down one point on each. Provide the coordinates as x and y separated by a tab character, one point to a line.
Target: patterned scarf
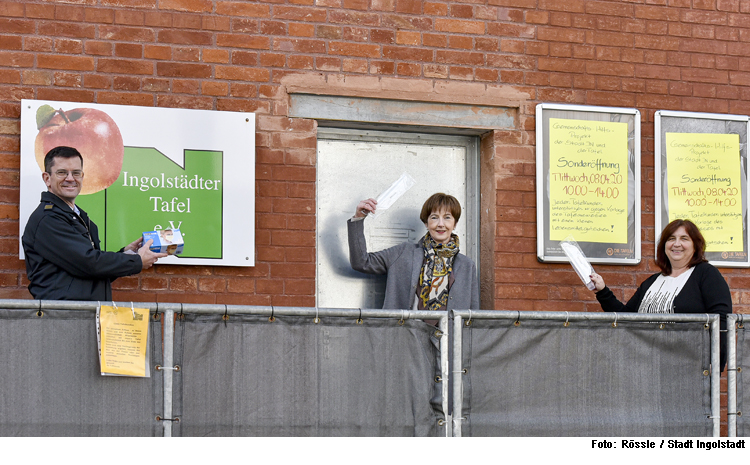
436	272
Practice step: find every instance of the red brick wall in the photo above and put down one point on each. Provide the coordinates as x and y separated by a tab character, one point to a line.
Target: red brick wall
648	54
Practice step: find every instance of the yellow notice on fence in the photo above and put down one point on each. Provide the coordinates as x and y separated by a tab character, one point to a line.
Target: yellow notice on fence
703	186
123	340
588	180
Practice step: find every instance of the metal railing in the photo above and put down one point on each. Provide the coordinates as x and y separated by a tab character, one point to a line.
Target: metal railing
566	318
734	322
173	311
451	370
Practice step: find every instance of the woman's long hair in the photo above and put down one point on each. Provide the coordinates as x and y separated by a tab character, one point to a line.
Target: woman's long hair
699	245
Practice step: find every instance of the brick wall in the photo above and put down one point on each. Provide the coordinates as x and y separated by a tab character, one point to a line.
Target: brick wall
685	55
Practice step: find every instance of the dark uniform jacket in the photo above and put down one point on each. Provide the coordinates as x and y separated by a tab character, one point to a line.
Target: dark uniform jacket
63	258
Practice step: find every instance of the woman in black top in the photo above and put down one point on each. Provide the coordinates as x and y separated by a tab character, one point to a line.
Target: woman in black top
687	283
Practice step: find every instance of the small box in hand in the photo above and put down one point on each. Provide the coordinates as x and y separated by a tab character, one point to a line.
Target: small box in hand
165	241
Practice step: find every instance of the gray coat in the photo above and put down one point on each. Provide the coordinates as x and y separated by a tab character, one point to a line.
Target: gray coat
402	264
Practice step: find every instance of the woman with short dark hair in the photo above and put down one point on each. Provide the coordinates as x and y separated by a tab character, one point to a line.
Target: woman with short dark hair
428	275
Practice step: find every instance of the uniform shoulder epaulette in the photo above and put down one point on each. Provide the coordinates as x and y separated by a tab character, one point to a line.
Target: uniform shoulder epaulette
49	206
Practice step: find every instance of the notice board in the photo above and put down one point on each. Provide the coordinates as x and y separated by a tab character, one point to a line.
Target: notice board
701	175
588	182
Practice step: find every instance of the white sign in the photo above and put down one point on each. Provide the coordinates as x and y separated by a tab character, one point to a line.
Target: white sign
152	168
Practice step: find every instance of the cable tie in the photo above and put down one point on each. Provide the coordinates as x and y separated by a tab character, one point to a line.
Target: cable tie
159	368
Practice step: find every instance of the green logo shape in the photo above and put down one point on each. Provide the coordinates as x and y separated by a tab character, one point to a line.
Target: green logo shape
154	193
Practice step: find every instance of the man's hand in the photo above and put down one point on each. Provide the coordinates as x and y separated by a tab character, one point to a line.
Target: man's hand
134	246
148	257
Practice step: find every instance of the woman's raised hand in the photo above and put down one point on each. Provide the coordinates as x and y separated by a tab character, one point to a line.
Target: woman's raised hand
364	207
598	281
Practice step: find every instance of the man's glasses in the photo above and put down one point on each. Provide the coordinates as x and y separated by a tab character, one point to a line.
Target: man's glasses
62	174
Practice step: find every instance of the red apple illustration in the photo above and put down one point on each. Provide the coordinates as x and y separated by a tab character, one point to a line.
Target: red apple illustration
92	132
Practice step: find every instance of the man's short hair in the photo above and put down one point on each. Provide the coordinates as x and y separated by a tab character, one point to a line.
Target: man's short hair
60	152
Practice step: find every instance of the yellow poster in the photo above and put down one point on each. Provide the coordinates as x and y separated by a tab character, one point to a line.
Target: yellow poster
703	186
124	338
588	180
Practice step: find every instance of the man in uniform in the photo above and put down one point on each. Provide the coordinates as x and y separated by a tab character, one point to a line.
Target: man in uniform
61	244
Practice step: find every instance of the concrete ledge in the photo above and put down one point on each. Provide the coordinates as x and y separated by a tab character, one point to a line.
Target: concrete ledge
425	90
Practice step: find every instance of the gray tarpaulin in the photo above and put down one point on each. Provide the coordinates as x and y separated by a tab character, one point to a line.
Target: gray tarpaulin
743	380
251	377
51	383
589	379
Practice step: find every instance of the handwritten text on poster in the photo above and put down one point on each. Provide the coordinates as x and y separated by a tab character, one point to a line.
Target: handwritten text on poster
588	185
703	185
